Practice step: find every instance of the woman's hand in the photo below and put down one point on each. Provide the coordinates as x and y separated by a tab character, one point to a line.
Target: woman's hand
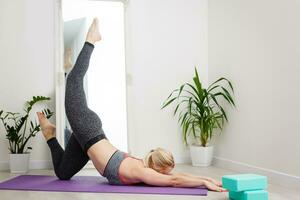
211	186
216	182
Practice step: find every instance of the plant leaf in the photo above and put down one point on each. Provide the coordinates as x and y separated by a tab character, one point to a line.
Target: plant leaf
168	102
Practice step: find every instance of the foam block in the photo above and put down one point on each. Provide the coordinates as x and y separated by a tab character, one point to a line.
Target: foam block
249	195
243	182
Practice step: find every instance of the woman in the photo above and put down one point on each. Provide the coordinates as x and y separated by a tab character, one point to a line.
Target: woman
88	140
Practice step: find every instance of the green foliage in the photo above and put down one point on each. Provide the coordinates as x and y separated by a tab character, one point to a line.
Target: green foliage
15	125
199	110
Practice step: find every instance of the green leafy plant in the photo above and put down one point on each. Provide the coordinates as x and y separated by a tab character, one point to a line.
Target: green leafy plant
16	125
199	109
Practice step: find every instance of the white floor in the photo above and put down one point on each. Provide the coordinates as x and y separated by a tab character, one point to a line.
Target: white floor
275	192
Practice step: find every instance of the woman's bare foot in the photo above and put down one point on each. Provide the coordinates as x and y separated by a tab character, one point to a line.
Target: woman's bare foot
47	128
93	34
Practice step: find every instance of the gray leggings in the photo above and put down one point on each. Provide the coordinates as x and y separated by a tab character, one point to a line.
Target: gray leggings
86	125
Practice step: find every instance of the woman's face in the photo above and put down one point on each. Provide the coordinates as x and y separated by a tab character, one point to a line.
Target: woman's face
166	170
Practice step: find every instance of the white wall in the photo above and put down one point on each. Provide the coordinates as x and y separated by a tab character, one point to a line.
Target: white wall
165	40
26	54
256	45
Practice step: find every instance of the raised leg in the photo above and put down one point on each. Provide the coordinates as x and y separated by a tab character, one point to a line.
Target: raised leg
85	123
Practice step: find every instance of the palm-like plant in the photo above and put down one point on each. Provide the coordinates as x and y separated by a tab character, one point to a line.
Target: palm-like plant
201	111
15	125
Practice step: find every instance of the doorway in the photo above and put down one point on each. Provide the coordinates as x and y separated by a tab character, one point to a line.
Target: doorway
105	82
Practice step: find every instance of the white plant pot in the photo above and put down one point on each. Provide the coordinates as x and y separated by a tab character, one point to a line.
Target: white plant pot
19	163
201	156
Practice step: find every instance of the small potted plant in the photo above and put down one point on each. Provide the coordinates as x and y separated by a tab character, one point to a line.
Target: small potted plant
200	113
18	135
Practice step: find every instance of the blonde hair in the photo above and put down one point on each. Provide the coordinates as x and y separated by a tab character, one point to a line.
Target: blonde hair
159	159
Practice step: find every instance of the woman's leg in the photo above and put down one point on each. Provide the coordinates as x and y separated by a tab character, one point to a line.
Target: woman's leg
67	163
84	122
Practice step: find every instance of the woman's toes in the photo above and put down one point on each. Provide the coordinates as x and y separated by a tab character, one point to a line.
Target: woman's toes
47	128
93	34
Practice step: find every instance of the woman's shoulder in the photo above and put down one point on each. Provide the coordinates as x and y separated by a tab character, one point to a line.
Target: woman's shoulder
130	169
127	155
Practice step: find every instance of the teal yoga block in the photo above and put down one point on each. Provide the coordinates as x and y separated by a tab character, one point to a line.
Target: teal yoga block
243	182
249	195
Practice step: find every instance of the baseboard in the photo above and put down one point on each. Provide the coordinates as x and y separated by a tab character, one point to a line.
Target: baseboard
274	177
33	164
47	164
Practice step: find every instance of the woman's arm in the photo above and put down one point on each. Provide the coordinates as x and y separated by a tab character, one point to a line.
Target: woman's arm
216	182
151	177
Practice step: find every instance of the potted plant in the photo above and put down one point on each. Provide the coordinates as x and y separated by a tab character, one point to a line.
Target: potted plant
200	112
18	135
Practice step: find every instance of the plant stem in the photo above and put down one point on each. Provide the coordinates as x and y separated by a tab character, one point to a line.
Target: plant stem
203	140
15	147
24	131
23	145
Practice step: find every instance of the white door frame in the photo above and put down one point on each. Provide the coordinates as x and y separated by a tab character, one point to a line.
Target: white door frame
59	71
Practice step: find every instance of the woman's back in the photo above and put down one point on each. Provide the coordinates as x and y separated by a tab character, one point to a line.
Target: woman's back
128	169
100	154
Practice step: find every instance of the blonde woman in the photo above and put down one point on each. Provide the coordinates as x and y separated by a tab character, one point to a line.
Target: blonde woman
88	140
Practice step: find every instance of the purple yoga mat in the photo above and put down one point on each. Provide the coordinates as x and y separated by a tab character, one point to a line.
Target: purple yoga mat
89	184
